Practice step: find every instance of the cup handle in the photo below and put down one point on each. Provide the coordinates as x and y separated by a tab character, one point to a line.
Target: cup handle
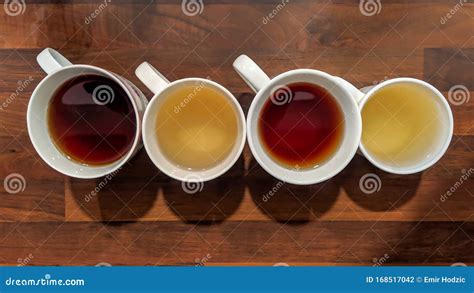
51	60
355	92
251	73
151	78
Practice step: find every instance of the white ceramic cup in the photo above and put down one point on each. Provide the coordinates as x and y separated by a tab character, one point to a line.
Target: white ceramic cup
442	139
161	87
60	70
253	75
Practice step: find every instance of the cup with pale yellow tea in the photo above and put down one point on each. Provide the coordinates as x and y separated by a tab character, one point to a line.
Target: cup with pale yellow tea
407	124
193	128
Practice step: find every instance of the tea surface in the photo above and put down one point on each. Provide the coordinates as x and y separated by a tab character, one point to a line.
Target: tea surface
301	125
196	127
92	120
400	124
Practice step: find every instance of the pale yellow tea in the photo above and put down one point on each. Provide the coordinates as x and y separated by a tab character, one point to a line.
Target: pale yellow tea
401	124
196	127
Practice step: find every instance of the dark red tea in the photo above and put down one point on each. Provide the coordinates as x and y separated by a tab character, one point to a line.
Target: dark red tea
301	124
92	120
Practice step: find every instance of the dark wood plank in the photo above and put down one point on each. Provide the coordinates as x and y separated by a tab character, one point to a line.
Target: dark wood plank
238	243
300	26
447	67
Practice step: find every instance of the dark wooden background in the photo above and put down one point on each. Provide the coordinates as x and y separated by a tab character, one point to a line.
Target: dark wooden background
144	218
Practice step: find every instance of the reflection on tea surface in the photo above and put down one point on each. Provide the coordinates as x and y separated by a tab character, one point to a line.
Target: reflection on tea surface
91	119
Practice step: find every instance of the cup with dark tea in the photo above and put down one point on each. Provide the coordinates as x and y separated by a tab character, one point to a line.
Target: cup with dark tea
303	126
84	121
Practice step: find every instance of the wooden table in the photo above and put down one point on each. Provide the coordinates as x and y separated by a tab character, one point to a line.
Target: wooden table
142	217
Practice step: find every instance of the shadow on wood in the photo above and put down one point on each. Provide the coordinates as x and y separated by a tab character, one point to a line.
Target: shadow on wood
126	195
288	203
207	202
376	190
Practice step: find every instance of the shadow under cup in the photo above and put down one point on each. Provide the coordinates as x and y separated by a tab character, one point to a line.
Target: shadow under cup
407	125
341	156
178	98
39	131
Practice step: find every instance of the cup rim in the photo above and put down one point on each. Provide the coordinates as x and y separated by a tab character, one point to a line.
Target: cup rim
441	151
118	163
147	117
295	179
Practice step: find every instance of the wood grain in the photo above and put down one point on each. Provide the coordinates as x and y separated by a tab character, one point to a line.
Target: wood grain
238	243
142	217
